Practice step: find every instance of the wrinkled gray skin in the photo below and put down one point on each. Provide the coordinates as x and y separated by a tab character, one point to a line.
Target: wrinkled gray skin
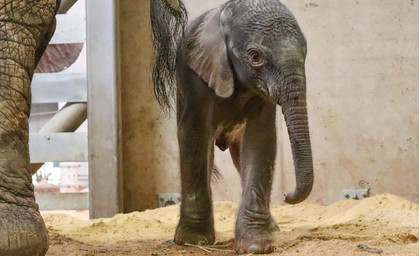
26	27
235	64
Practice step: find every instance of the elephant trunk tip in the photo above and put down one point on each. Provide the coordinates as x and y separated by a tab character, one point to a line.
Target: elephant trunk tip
297	196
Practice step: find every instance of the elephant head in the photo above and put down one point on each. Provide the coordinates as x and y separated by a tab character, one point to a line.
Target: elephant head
258	44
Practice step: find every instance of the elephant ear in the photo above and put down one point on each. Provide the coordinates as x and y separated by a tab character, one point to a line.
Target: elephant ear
207	55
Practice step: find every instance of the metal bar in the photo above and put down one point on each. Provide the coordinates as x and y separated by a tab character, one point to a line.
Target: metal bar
56	87
65	6
62	201
68	119
58	147
70	29
103	77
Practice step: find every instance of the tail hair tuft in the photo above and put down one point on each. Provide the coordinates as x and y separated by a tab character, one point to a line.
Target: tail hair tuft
168	22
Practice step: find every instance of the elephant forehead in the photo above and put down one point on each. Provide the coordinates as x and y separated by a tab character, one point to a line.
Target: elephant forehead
268	17
275	44
270	26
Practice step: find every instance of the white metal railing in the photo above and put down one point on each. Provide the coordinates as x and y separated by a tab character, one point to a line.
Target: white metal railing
56	87
70	29
61	87
100	31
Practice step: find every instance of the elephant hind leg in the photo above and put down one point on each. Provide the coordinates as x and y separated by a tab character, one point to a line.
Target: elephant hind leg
196	224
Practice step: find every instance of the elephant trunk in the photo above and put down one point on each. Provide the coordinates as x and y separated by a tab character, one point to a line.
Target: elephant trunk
294	108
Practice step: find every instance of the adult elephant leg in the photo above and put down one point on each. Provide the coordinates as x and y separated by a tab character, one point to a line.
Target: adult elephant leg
254	221
196	224
26	29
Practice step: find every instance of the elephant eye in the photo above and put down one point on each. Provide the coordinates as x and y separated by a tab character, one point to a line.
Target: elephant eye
255	58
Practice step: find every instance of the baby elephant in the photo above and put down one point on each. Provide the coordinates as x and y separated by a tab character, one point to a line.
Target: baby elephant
228	70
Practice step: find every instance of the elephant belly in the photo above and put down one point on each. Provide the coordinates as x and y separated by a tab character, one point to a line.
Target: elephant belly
228	134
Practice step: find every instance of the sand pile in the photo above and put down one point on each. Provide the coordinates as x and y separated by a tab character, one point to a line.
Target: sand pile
386	221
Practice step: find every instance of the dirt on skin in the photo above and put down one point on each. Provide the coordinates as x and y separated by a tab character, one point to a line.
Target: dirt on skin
385	222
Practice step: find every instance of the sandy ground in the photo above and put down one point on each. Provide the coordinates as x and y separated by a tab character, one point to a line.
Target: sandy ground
385	222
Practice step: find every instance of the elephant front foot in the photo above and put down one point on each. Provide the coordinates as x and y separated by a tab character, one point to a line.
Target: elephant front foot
254	234
22	231
195	232
256	242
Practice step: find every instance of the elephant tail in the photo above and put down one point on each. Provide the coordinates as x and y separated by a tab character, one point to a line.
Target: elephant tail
168	23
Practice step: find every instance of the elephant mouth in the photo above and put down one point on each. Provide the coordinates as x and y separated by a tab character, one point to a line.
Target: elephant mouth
261	86
263	89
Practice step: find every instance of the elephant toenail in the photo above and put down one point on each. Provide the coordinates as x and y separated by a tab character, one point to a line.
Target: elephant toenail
254	248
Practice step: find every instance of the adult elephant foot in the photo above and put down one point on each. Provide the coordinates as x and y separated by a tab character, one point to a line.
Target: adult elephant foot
254	233
193	232
22	231
27	27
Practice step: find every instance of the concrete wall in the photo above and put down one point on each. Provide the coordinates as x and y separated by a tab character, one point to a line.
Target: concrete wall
362	77
149	138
